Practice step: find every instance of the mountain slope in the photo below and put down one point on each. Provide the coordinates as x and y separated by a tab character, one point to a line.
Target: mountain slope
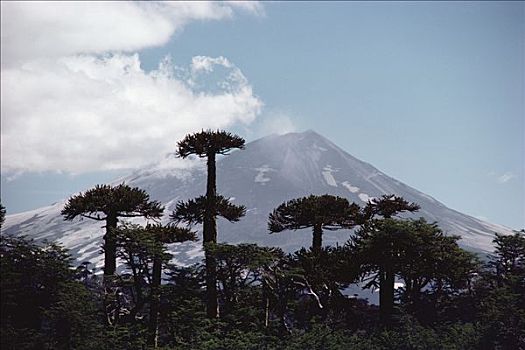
269	171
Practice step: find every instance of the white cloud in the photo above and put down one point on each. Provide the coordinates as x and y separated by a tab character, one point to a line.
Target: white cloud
74	96
206	64
277	123
81	113
506	177
54	29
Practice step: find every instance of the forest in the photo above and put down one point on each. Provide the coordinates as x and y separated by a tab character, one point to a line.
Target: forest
432	293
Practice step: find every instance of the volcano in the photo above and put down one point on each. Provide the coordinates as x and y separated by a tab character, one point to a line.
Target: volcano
266	173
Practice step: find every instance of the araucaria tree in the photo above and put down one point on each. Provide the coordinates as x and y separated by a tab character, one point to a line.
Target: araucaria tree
318	212
372	225
418	253
110	203
208	144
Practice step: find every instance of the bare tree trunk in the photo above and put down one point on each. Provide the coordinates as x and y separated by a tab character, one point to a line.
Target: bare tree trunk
386	294
317	241
266	306
110	266
153	327
110	246
210	236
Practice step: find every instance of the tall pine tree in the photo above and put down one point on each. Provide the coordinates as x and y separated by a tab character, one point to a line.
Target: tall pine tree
110	203
385	207
208	144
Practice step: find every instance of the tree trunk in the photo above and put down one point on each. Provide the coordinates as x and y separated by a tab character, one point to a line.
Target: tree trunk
110	246
317	241
209	224
210	236
266	310
153	327
386	294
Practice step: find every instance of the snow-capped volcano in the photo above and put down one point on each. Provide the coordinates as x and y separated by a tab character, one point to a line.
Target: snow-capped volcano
267	172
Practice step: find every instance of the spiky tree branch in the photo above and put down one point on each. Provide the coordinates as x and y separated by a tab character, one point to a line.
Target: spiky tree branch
207	144
318	212
192	211
109	203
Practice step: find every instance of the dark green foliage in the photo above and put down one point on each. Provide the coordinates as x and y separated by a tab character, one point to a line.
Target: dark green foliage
112	202
509	261
386	206
120	201
137	244
324	212
239	269
268	299
499	295
208	142
329	211
417	253
192	211
183	311
42	306
143	250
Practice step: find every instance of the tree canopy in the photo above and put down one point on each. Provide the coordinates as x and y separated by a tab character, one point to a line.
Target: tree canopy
386	206
208	142
193	211
119	201
113	202
319	212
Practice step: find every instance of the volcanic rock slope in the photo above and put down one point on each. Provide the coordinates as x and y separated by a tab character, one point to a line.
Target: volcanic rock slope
266	173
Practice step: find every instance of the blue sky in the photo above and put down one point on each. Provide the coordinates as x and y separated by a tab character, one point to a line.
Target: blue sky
431	93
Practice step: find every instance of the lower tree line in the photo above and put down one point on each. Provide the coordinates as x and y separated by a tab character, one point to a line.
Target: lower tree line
268	299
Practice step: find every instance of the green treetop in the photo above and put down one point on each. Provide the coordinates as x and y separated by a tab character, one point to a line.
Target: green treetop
318	212
109	203
207	144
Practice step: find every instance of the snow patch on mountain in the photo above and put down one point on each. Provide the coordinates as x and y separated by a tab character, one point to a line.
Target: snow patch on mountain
261	175
328	177
364	197
317	147
350	188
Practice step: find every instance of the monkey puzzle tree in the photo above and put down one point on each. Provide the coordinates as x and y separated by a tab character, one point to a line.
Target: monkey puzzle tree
109	203
319	212
418	253
386	206
370	220
207	144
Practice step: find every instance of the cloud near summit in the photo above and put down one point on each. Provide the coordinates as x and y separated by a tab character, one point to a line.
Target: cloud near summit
74	95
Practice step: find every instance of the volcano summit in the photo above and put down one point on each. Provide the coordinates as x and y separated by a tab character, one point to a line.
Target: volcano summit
266	173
